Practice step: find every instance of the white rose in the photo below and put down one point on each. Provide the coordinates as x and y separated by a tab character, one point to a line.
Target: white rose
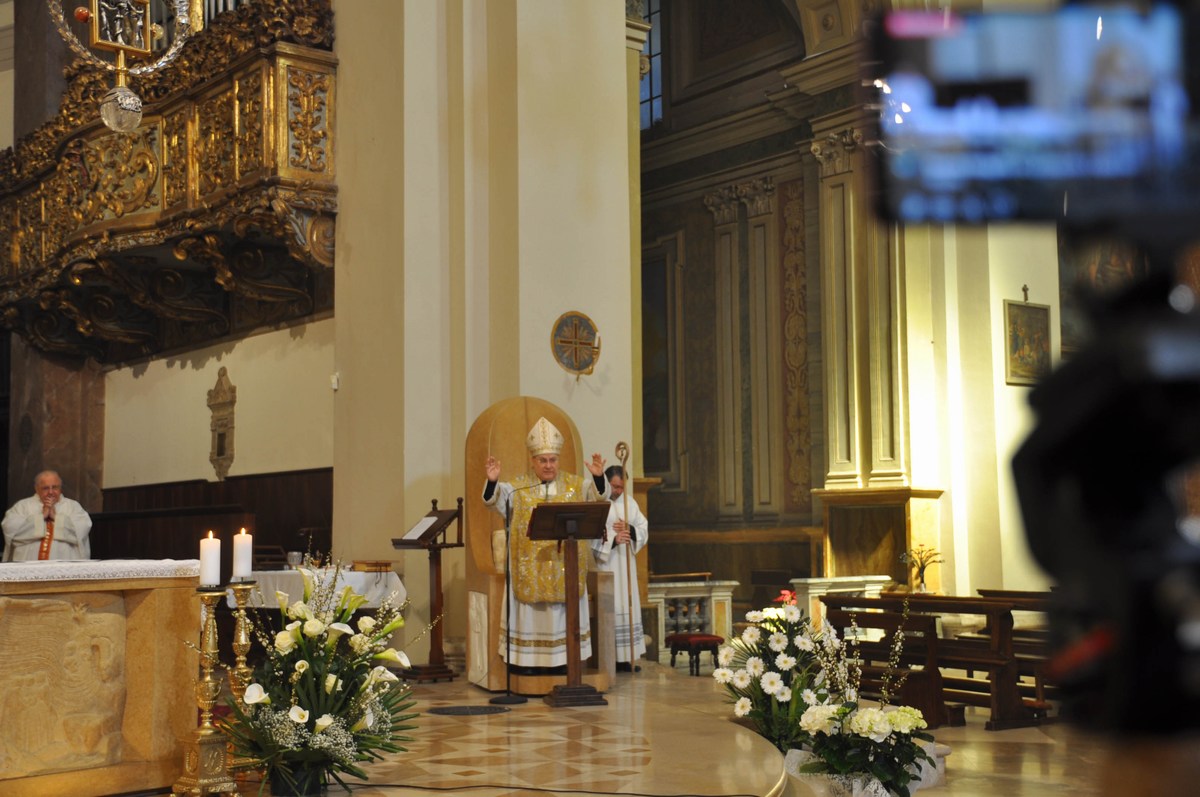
284	641
299	611
313	628
366	624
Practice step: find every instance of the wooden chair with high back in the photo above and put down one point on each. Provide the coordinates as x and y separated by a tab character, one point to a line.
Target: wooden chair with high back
500	431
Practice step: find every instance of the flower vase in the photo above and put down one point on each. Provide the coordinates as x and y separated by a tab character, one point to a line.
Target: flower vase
305	782
812	784
921	588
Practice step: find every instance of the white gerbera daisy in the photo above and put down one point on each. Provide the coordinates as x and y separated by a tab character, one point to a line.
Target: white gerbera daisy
771	682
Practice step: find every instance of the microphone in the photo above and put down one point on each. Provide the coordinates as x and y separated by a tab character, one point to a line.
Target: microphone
508	507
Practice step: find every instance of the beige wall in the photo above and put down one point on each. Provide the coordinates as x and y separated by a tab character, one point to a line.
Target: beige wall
157	417
966	423
1020	255
483	191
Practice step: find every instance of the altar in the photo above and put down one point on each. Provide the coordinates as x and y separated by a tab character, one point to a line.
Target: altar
99	670
374	586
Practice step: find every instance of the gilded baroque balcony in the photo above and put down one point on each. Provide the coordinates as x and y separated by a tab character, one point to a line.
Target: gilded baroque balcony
215	217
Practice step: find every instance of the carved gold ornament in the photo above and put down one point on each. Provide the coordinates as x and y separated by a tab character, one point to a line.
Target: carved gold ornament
124	27
215	216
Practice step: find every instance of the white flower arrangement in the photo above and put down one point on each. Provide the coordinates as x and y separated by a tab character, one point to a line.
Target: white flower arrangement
800	689
764	671
322	699
848	738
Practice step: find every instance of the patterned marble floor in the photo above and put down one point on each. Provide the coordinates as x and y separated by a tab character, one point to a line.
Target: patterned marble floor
666	734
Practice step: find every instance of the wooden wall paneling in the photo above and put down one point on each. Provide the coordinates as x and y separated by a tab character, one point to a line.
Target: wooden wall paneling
277	505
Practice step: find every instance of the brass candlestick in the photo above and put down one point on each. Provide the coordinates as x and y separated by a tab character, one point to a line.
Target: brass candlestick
239	676
204	766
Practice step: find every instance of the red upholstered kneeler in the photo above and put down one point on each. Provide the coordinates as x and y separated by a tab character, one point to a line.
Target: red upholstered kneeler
694	644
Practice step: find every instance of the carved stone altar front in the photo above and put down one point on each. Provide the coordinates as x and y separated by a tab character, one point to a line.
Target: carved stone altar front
98	679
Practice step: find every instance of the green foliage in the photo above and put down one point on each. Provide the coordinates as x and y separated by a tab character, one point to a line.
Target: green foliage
322	698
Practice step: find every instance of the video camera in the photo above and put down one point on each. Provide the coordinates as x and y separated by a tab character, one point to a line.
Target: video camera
1086	115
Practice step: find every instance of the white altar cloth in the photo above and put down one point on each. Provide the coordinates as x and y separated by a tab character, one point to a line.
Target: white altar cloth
99	569
372	586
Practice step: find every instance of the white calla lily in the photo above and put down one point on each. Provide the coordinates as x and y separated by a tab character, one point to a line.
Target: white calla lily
335	630
298	714
255	694
323	722
391	654
365	722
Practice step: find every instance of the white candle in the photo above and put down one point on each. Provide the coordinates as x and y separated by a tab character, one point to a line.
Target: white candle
243	554
210	561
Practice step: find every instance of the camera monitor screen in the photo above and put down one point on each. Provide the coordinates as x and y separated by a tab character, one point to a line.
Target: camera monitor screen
1080	113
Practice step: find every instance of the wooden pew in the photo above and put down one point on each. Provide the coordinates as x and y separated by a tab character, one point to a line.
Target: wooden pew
922	687
993	654
1031	644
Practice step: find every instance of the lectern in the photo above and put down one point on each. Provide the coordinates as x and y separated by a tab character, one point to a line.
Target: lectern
430	533
568	523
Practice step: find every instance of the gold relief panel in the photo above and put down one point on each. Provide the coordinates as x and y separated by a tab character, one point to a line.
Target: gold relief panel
214	143
175	157
29	230
8	240
126	169
251	121
236	148
308	120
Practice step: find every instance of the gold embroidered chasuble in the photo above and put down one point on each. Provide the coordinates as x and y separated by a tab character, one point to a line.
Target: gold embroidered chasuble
539	570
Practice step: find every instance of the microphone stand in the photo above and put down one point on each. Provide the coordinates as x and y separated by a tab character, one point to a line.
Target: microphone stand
508	698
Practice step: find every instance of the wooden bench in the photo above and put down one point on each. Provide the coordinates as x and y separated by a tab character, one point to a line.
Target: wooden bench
921	687
1031	644
992	655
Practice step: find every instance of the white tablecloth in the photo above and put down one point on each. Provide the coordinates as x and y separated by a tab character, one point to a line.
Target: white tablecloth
94	569
372	586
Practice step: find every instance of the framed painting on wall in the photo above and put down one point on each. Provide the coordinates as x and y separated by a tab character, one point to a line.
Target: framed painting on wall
1026	342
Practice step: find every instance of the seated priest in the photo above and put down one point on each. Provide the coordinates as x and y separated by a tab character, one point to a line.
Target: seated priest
537	586
46	525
